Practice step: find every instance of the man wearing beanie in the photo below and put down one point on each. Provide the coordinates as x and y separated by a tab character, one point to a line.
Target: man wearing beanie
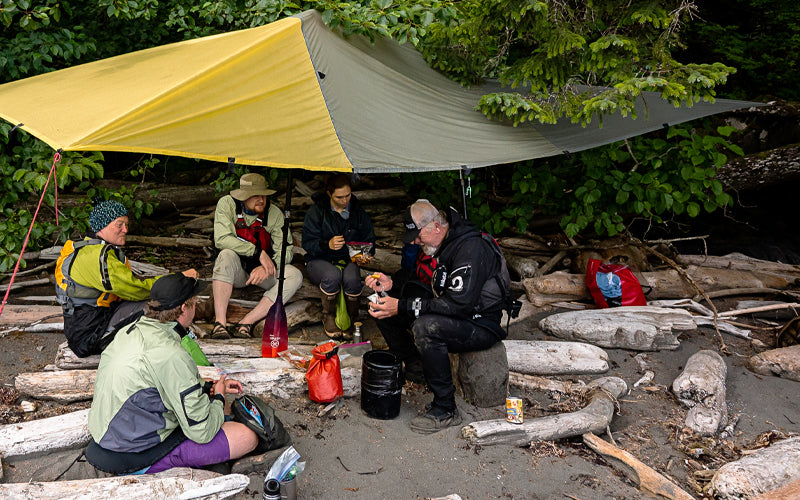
248	233
94	283
151	410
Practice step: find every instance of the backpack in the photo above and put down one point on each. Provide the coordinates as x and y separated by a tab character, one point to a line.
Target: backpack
256	414
509	303
613	285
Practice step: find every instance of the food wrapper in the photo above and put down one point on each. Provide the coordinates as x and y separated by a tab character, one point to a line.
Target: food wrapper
295	358
359	252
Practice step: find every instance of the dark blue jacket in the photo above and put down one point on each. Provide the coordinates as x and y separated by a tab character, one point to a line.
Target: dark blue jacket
322	223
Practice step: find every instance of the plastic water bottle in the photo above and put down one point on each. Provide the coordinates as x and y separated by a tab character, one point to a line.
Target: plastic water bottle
272	489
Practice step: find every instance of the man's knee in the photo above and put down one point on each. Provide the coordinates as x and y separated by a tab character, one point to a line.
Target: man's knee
226	265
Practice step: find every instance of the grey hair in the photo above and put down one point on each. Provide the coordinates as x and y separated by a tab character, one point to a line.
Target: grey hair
424	212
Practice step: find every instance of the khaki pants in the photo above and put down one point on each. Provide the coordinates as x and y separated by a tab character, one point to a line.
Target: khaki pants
228	269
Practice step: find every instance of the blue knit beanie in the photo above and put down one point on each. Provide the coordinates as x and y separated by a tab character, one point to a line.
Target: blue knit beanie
104	213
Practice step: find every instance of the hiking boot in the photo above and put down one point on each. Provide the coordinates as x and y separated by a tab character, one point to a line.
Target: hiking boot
329	315
435	420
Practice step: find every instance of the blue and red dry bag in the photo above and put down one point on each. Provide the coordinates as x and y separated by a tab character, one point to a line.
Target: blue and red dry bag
613	285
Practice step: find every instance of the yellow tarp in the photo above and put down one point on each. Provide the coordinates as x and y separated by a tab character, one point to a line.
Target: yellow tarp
252	95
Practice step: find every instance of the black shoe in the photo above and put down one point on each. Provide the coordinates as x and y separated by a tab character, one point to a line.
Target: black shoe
435	420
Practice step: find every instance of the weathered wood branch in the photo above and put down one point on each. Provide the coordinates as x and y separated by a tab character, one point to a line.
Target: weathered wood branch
536	383
595	417
172	483
701	387
161	241
541	357
25	284
645	477
767	469
640	328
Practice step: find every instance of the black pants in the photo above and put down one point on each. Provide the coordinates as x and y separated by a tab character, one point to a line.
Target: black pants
434	336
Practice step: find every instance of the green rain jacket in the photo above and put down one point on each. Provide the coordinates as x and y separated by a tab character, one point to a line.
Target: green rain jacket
147	385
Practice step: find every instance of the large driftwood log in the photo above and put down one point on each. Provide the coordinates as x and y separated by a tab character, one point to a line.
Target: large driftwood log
595	417
525	267
783	362
740	262
640	328
767	469
70	430
789	492
541	357
536	383
645	477
666	284
270	377
27	314
701	387
24	284
183	483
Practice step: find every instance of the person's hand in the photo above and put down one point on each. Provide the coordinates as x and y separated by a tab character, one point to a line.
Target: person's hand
257	275
379	282
336	243
191	273
224	386
267	263
384	308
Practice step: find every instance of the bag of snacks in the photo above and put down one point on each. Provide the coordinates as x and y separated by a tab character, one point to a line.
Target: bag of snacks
359	252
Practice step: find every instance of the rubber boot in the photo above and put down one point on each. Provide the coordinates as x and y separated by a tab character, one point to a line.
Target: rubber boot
329	315
353	303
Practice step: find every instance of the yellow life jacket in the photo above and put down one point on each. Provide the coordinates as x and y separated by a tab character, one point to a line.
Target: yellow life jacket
69	293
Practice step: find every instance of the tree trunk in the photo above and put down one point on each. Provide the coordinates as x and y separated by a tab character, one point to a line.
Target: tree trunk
540	357
783	362
701	387
70	430
640	328
139	487
595	417
767	469
645	477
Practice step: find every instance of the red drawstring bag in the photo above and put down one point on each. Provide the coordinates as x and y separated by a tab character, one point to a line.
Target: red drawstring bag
613	285
324	374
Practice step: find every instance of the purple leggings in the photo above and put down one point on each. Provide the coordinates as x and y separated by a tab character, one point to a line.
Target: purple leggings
191	454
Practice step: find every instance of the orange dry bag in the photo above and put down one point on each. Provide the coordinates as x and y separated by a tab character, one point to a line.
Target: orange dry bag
324	374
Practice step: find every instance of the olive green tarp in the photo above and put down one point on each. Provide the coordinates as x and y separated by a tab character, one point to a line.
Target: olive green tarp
295	94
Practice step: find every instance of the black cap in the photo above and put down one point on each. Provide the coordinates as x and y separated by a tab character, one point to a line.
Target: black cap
172	290
413	228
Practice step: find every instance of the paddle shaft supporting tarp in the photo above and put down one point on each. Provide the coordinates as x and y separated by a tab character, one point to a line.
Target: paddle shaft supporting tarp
296	94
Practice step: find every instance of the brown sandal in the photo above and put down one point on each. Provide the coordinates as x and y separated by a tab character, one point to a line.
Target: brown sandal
219	331
243	330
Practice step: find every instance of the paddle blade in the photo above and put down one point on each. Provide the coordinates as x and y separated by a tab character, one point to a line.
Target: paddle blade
275	338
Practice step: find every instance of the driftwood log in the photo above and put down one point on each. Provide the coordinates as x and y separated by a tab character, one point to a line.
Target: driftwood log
183	483
541	357
767	469
162	241
481	377
70	430
701	387
269	377
667	284
783	362
645	477
536	383
640	328
789	492
595	417
740	262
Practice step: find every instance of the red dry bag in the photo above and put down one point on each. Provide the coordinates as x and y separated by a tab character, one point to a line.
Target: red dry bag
324	374
613	285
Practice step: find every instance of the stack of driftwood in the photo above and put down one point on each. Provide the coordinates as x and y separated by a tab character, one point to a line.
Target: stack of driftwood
547	275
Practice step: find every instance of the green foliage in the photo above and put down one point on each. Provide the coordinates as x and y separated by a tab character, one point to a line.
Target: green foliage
548	50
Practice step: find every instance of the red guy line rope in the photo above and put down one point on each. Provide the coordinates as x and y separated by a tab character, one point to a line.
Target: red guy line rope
52	173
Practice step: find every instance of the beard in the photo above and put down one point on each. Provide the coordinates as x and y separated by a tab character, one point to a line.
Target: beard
428	250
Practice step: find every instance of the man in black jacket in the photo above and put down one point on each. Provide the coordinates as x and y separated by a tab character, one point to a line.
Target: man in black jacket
459	311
